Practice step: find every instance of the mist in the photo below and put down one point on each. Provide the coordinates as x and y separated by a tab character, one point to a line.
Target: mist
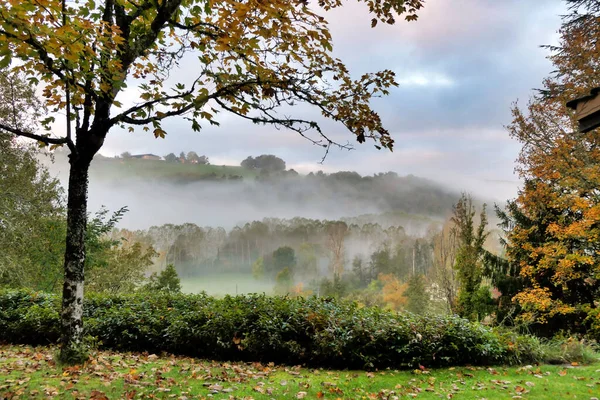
229	203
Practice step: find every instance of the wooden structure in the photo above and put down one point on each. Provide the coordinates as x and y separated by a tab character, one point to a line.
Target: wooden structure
587	110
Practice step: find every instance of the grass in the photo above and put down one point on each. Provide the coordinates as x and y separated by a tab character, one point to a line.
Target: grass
226	283
30	373
176	172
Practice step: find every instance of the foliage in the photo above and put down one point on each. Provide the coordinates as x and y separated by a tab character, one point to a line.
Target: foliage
417	294
445	246
267	162
258	268
393	291
552	244
307	260
469	257
282	257
313	331
166	281
31	208
123	270
171	158
284	281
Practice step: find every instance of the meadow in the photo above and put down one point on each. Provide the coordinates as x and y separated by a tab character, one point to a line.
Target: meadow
31	373
222	284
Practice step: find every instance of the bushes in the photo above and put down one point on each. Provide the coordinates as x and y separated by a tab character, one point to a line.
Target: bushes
317	332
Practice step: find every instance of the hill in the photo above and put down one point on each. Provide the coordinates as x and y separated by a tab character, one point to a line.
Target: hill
158	192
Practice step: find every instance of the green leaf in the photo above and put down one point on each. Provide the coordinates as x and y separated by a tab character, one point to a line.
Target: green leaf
5	61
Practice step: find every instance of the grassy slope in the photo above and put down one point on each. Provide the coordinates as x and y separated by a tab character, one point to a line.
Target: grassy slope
225	283
27	372
134	168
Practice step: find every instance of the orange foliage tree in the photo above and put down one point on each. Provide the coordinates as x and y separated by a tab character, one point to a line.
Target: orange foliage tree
393	291
553	244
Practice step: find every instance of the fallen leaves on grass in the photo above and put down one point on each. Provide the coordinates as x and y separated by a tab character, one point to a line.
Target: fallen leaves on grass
32	373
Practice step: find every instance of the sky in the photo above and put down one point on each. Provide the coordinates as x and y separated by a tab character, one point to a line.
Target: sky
460	67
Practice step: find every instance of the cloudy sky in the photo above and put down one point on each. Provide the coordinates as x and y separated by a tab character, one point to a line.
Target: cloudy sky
460	67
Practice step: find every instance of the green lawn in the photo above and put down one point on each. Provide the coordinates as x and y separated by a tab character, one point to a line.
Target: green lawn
27	372
226	283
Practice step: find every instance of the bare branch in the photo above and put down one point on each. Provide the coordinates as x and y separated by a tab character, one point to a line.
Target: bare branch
40	138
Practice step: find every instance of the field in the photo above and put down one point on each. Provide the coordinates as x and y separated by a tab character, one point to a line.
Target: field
226	283
30	373
162	170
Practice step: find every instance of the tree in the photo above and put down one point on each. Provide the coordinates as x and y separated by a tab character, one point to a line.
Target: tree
126	155
336	234
166	281
249	163
445	246
469	256
394	291
171	158
283	257
192	157
252	57
31	202
258	268
265	162
552	245
284	281
182	158
269	162
417	295
307	260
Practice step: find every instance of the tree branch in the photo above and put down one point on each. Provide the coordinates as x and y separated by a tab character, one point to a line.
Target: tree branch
40	138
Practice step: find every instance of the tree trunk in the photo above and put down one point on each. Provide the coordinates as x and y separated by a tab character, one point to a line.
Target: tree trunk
72	301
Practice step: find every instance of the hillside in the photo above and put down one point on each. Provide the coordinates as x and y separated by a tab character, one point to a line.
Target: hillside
158	192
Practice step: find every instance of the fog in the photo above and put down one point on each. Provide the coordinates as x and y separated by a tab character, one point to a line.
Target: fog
153	202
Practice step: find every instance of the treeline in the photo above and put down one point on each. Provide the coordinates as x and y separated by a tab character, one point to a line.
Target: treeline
196	250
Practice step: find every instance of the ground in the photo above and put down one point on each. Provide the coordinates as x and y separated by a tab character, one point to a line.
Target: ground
226	283
30	372
109	168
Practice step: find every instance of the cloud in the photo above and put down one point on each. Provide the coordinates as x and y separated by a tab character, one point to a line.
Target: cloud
459	69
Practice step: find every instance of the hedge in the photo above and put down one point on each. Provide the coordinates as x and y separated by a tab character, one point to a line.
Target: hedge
312	331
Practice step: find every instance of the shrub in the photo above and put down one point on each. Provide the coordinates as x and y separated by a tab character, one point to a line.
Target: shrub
313	331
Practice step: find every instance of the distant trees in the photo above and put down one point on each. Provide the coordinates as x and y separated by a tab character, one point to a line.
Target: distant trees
126	155
283	257
336	234
266	162
171	158
417	294
258	268
192	157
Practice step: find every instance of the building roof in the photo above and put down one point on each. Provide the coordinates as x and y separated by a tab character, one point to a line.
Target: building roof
593	93
144	155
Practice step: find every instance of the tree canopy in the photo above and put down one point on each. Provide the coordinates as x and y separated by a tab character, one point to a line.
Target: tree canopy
552	243
250	59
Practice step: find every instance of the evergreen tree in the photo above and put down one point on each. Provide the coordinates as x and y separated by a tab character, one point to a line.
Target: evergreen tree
167	281
469	257
416	292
